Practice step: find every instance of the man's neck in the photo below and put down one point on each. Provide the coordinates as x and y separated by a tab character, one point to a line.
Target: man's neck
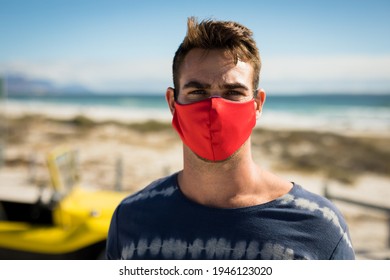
237	182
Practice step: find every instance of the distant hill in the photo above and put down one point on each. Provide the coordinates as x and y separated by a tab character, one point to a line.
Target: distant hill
21	85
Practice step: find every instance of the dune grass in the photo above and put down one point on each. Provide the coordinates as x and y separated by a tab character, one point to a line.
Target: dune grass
338	157
335	156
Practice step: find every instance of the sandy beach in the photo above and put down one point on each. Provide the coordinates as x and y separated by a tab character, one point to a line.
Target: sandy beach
350	164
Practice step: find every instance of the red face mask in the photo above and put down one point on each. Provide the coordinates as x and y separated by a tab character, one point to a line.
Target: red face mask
214	128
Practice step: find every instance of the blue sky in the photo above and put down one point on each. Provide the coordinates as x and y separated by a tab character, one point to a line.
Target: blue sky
127	46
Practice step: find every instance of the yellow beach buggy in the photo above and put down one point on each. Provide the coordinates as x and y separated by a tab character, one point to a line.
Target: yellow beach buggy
70	223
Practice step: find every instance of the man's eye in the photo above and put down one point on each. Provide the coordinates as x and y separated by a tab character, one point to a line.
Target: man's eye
198	92
234	95
233	92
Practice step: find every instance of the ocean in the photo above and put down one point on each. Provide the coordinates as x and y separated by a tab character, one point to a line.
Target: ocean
361	113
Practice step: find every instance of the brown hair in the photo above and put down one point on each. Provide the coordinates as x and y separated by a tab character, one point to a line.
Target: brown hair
226	35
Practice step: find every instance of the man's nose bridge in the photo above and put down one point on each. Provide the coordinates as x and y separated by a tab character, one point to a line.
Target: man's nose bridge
214	101
215	91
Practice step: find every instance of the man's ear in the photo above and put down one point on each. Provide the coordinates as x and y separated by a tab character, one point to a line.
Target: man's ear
259	101
170	98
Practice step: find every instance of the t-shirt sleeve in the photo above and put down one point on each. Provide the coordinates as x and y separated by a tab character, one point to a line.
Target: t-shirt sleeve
343	250
112	239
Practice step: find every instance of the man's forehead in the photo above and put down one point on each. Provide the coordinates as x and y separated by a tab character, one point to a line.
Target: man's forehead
216	56
212	69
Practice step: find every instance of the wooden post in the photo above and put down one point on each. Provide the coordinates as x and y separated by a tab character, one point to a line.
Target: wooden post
3	126
118	173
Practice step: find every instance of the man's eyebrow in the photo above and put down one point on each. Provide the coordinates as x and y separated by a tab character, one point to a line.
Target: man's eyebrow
235	86
196	84
199	85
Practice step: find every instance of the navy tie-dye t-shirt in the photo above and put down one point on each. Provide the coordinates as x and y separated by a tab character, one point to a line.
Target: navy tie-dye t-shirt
159	222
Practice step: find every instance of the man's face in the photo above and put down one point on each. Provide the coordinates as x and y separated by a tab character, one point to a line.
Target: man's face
213	73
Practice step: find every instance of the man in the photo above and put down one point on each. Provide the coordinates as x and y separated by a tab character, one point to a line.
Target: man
222	205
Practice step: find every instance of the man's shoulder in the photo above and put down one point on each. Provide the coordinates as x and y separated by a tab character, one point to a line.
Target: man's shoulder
301	198
299	192
164	186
